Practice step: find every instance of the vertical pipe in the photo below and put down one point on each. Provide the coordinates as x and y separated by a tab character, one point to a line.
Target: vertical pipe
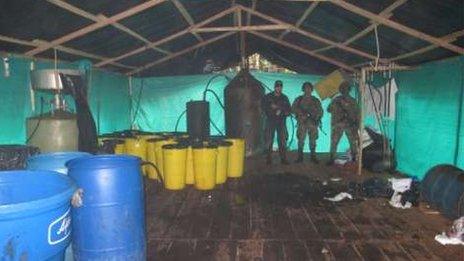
131	110
362	85
459	121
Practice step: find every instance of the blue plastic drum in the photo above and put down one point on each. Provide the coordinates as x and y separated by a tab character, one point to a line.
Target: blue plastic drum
35	218
53	161
110	223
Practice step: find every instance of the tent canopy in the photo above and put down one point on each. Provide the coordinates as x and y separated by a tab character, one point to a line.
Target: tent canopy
158	37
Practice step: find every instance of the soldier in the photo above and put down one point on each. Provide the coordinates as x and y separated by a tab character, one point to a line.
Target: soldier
308	111
345	119
277	108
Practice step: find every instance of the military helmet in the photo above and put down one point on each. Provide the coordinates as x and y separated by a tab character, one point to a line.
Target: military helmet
306	84
278	82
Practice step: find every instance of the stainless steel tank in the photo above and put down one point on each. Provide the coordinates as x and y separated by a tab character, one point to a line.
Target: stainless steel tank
244	117
53	132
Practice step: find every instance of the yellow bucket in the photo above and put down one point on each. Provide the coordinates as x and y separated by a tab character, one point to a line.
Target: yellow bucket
236	158
222	161
190	173
119	148
136	147
159	153
204	164
174	166
151	157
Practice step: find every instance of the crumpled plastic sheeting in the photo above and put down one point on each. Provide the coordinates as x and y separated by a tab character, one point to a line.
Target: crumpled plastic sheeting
399	186
339	197
14	156
455	236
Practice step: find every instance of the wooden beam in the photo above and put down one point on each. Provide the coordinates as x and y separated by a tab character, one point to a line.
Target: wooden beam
306	51
179	53
37	43
97	18
183	11
387	13
305	15
309	34
253	6
449	38
169	38
95	26
397	26
270	27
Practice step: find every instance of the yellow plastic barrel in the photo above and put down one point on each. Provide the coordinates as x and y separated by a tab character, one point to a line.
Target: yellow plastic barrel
204	165
174	166
190	173
236	158
222	161
119	148
159	153
136	147
151	157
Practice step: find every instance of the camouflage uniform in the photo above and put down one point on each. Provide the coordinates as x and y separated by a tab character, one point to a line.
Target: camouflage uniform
345	119
308	112
275	122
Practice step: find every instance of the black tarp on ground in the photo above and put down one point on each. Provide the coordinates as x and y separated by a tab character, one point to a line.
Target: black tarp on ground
30	19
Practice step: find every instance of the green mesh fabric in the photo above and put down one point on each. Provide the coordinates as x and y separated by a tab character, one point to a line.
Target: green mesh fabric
428	104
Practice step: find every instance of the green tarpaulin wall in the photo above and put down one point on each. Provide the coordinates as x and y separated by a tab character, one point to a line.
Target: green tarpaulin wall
108	98
429	102
163	99
426	133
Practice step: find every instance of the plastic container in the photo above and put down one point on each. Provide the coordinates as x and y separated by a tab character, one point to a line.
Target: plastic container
159	153
236	158
35	216
136	147
204	164
174	166
222	161
110	223
54	161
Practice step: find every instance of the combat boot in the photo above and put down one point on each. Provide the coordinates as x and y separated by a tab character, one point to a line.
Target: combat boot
314	158
300	156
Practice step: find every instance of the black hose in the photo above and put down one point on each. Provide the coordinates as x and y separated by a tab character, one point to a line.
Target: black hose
215	95
158	173
38	122
210	80
178	120
216	128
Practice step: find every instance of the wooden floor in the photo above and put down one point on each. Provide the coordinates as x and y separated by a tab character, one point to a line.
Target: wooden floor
278	213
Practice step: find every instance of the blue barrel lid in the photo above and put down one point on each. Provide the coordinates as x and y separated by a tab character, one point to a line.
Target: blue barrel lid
28	192
102	161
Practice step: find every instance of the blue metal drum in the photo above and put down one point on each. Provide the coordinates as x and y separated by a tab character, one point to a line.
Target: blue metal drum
35	218
110	222
53	161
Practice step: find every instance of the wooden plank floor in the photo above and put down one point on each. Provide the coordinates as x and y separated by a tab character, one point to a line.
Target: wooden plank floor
278	213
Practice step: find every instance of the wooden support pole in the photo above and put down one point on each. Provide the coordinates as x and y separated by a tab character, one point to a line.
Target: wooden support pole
397	26
303	17
179	53
271	27
387	13
303	50
169	38
253	6
60	48
188	18
97	18
95	26
309	34
362	86
449	38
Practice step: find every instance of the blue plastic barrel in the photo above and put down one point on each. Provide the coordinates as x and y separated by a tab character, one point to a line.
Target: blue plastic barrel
53	161
110	224
35	218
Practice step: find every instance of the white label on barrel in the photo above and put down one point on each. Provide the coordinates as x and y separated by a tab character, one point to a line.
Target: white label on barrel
60	228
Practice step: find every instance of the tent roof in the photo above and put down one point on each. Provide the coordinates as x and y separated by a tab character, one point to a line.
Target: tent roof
160	37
